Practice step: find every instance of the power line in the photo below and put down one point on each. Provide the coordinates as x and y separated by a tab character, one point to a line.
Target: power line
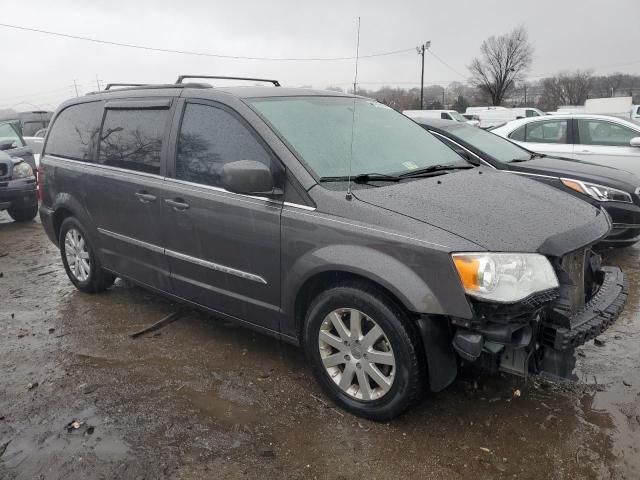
199	54
447	65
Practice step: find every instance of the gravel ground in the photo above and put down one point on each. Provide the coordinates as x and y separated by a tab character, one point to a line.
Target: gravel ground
203	398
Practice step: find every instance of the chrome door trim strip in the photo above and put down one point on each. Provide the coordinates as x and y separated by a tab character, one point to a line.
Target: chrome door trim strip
187	258
302	207
216	266
133	241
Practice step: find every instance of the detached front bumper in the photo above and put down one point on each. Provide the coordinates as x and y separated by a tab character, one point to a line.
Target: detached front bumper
598	314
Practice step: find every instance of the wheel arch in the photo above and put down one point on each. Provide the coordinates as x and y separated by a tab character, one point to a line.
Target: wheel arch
65	206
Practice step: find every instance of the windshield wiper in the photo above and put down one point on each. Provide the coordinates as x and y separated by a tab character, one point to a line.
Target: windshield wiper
364	178
425	172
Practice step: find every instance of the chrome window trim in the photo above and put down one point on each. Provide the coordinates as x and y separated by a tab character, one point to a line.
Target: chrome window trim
178	181
104	167
188	258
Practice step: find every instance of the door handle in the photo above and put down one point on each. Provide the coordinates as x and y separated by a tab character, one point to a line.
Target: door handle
145	197
177	204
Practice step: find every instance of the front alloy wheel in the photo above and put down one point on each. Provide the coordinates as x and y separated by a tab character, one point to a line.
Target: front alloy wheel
365	350
356	354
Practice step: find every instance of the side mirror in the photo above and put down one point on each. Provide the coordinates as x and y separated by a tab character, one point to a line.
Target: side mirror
247	177
7	145
635	142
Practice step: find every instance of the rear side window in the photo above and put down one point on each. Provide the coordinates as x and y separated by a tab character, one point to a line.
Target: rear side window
554	131
75	131
132	139
597	132
210	137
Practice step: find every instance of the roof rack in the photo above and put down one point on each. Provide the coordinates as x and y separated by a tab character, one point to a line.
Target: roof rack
276	83
111	85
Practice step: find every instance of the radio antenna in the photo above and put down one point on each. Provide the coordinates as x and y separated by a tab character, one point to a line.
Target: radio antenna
353	111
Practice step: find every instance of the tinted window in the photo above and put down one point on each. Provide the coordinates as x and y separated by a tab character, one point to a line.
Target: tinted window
445	116
75	131
596	132
554	131
132	139
30	128
320	129
8	134
209	138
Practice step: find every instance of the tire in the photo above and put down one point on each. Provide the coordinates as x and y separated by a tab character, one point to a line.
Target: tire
24	214
87	276
404	380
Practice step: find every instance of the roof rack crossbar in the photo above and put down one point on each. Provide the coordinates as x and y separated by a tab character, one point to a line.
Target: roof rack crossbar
276	83
111	85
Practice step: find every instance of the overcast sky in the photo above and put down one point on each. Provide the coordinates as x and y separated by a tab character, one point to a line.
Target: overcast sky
38	68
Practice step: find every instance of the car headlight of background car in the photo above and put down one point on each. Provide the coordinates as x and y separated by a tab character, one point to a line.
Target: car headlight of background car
504	277
599	192
22	170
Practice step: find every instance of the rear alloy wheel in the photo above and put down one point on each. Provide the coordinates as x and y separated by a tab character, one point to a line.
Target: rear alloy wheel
79	259
77	253
358	358
365	351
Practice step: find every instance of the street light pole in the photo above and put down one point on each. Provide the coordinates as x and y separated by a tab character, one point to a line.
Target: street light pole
420	49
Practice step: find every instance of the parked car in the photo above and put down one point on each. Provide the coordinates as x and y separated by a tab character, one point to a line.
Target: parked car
614	190
472	119
331	222
600	139
494	116
443	114
12	143
28	123
17	188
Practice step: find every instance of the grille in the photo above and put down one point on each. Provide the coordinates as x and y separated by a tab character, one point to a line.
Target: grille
4	170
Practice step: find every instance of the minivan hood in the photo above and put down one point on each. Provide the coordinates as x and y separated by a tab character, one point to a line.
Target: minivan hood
496	210
569	168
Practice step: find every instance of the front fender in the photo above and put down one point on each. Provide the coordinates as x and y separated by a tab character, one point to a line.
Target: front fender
366	262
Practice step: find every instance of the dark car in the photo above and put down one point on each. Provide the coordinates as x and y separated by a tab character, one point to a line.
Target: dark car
330	222
28	123
614	190
17	188
12	143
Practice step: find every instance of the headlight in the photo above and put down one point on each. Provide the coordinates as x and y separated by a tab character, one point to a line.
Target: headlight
599	192
504	277
22	170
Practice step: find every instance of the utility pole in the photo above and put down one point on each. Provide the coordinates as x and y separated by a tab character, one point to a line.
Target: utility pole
98	82
420	49
525	94
75	85
443	105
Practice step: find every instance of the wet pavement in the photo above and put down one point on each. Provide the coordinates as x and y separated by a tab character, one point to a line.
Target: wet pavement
203	398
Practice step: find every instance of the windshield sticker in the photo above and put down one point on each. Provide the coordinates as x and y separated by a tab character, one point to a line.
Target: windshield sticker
409	165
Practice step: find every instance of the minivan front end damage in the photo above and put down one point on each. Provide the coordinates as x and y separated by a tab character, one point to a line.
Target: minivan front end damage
539	334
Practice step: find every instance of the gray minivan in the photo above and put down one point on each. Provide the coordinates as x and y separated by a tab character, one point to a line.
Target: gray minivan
329	221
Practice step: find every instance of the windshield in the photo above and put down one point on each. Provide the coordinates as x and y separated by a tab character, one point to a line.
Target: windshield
490	143
384	141
457	117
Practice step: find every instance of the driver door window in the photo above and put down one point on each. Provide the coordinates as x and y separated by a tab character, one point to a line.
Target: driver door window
8	134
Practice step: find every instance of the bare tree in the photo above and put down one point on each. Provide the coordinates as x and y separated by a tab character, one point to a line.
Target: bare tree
567	88
503	61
